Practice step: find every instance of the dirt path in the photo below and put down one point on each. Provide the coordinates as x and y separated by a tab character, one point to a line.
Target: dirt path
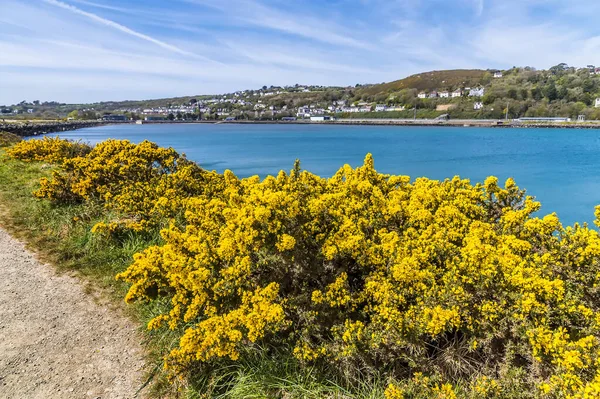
56	341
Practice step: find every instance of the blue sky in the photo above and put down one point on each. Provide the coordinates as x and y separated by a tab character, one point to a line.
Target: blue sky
94	50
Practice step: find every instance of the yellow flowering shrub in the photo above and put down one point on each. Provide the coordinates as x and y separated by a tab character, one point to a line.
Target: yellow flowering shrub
373	269
48	149
448	288
142	182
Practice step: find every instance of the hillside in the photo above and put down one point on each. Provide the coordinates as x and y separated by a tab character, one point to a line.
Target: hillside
433	80
560	91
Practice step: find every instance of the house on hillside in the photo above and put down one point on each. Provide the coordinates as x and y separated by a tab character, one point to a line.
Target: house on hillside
380	108
477	92
457	93
444	94
478	105
366	108
498	74
597	103
433	94
303	112
422	95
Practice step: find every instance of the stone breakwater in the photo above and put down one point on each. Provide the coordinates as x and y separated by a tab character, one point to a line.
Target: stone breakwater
34	128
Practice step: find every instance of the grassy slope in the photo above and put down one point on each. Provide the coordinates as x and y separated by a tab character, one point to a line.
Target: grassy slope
427	81
61	235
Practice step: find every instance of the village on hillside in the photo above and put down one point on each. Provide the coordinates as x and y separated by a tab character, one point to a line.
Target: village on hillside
562	91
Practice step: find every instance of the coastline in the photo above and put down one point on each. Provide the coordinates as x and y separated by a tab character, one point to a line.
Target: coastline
403	122
33	128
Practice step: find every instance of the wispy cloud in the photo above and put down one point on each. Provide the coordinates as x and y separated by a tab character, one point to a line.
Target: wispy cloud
88	50
260	15
120	27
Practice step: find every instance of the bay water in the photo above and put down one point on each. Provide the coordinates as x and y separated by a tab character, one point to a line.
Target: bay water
560	167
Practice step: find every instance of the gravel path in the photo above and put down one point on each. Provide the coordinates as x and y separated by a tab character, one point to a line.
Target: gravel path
56	341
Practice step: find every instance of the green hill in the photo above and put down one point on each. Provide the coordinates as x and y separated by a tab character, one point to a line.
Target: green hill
434	80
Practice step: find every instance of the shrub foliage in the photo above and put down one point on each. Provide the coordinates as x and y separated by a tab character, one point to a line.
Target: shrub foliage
444	288
7	139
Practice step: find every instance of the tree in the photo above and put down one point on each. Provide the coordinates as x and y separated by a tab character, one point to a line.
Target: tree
524	94
557	69
536	93
550	91
171	117
588	85
73	114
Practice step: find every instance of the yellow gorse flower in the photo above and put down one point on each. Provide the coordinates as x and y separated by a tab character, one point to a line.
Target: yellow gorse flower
361	267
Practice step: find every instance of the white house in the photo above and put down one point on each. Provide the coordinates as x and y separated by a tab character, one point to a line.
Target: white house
597	103
366	108
422	95
498	74
457	93
477	92
30	111
351	110
380	108
478	105
303	112
433	94
444	94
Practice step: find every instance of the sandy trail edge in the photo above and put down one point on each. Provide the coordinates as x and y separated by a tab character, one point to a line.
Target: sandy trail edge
56	341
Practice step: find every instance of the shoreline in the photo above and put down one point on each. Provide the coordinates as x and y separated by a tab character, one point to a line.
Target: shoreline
32	128
401	122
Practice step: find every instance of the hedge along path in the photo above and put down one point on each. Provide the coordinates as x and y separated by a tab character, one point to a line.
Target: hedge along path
58	341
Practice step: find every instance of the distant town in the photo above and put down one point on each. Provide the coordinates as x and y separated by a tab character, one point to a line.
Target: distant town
562	92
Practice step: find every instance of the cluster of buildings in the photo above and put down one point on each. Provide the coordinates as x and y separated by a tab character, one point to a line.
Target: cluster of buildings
337	107
471	92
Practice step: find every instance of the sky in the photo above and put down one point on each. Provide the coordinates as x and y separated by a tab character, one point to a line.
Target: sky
78	51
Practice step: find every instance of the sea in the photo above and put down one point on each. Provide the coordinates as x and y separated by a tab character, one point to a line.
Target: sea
560	167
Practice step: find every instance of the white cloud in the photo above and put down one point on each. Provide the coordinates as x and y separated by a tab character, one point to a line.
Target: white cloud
52	50
120	27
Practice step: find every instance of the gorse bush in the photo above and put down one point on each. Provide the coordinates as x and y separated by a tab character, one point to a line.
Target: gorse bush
54	150
444	288
144	183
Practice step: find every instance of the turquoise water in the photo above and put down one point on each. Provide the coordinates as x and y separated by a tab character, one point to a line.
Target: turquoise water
560	167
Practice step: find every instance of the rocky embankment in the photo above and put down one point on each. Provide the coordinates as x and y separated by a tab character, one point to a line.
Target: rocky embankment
34	128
